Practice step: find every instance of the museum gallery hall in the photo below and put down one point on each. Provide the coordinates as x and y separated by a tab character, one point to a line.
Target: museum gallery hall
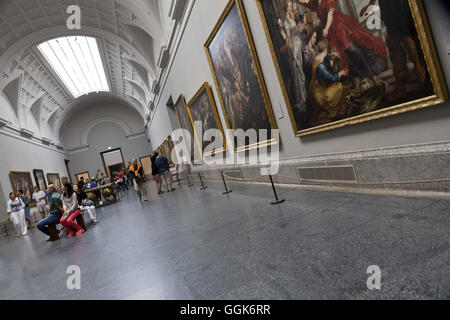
224	150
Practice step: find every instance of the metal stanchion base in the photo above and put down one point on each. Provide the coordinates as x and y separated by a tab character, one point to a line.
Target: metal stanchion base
227	192
278	202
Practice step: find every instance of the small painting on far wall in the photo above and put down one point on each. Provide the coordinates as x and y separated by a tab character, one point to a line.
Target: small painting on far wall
53	178
22	181
40	179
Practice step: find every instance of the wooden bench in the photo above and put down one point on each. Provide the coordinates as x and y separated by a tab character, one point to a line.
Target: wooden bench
80	221
54	233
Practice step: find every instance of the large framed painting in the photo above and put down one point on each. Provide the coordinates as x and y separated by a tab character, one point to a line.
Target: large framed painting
85	175
343	62
53	178
40	179
184	121
238	77
168	150
21	180
202	108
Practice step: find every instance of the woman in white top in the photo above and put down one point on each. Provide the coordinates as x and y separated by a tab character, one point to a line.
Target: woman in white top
16	213
39	198
71	211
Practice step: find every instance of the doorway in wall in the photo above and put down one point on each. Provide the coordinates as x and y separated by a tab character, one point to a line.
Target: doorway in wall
113	161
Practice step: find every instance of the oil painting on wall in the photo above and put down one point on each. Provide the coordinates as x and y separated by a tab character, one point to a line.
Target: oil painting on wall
346	61
202	108
237	73
22	181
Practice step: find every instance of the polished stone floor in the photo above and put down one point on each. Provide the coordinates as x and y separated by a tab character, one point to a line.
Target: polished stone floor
194	244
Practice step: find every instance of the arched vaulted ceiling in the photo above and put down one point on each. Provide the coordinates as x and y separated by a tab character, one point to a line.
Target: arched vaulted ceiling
130	34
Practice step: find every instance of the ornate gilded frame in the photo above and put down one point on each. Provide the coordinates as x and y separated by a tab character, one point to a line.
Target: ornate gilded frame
14	184
431	58
205	87
258	69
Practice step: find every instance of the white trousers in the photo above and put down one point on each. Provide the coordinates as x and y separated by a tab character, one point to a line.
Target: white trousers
90	211
18	220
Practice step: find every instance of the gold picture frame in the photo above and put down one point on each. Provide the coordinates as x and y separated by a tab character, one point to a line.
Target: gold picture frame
53	178
168	149
257	70
212	104
183	123
21	180
432	63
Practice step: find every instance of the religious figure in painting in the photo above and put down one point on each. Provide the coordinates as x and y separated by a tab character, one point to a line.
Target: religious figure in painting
362	54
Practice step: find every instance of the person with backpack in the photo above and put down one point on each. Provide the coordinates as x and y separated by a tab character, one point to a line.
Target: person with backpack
163	166
137	174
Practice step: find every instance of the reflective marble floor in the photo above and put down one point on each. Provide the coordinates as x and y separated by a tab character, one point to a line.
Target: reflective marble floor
193	244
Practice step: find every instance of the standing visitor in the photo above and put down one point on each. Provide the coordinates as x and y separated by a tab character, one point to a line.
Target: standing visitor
71	211
56	210
27	209
16	214
155	173
40	199
137	174
163	167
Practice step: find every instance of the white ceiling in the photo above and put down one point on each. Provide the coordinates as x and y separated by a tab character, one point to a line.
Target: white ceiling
132	34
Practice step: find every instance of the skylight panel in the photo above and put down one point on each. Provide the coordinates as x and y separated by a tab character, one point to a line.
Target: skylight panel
77	62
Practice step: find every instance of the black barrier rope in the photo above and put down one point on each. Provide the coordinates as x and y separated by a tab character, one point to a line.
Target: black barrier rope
225	184
277	201
201	181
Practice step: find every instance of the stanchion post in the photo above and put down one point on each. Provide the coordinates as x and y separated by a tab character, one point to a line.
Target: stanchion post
6	230
201	181
225	184
277	201
189	180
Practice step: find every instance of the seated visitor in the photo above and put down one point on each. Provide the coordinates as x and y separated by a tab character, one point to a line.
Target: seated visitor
93	184
55	212
27	209
71	211
40	200
85	204
162	164
155	173
81	183
16	214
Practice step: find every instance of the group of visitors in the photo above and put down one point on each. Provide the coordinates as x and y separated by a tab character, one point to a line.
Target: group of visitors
63	209
160	172
65	205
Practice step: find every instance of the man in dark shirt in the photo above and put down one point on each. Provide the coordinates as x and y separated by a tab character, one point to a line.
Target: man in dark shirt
162	164
137	174
56	210
81	183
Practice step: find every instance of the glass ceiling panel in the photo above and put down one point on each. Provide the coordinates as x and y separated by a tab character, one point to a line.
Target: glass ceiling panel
77	62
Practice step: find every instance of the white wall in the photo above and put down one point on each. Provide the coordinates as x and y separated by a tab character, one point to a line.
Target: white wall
106	135
19	155
190	69
83	119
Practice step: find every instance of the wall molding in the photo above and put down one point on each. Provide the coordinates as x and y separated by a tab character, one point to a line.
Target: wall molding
14	133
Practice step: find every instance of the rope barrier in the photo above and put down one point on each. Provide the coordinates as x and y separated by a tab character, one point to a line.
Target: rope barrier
223	175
